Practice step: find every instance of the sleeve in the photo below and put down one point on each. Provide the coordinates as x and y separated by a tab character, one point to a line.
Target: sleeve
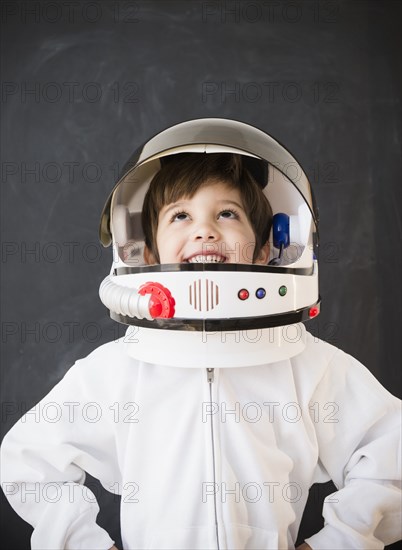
360	448
43	458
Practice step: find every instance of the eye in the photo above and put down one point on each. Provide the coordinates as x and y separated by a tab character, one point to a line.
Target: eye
179	216
229	214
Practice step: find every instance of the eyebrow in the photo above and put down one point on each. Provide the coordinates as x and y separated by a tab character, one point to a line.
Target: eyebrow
181	203
171	207
226	201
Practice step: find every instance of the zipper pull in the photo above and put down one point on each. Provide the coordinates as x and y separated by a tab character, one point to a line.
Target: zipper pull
210	375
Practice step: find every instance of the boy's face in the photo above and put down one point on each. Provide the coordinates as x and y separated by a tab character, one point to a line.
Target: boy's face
212	226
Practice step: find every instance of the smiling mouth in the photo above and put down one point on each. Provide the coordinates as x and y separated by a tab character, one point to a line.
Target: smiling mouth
206	259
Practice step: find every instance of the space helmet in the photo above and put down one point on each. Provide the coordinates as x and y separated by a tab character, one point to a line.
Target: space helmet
220	314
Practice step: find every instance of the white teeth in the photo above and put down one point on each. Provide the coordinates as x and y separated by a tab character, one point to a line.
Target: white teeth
210	258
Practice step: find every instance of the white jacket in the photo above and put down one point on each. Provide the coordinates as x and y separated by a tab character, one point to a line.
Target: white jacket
209	464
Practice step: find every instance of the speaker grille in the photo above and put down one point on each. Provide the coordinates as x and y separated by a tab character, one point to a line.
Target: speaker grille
203	295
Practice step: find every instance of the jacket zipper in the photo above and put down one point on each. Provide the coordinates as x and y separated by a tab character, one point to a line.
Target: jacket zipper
210	378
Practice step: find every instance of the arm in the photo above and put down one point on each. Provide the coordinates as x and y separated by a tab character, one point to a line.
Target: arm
360	450
43	461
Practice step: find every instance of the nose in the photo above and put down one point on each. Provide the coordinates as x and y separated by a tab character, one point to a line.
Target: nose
206	232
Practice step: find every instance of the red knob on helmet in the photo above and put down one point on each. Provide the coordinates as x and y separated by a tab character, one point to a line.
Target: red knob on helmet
161	302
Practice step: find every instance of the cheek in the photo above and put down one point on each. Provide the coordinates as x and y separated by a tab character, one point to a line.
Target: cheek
169	239
246	236
158	239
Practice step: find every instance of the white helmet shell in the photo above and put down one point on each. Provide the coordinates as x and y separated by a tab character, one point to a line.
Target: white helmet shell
208	300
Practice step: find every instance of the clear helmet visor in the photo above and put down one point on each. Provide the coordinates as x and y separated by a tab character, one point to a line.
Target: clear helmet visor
280	176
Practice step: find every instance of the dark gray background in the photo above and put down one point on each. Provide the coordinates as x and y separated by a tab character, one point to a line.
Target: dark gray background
83	84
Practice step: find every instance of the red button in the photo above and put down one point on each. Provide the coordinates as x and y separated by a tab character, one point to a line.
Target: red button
313	312
243	294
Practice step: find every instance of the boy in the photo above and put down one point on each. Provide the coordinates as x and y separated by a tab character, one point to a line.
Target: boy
190	478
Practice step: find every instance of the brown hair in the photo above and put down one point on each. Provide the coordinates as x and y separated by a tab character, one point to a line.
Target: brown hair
183	174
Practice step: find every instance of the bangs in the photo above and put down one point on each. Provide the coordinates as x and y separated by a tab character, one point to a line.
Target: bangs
182	175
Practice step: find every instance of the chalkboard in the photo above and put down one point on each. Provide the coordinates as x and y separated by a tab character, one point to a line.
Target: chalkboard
85	83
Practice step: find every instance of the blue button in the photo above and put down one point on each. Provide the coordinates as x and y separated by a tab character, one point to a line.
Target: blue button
260	293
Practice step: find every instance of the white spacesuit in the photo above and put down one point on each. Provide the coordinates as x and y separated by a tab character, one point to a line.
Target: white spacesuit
205	455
